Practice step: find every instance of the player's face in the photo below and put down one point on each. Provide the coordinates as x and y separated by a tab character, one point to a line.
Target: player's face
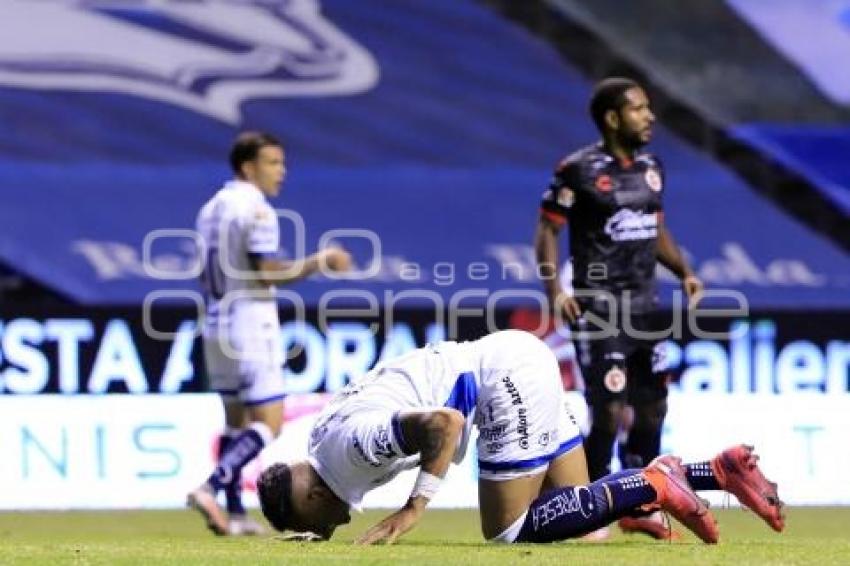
268	170
636	119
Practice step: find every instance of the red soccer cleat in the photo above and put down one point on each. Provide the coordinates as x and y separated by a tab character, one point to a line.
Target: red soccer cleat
675	496
737	472
653	525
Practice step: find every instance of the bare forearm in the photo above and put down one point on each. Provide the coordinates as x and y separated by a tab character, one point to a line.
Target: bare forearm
434	435
670	255
546	251
277	272
437	440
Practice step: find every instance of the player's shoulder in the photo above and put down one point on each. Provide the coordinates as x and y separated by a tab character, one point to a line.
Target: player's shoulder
649	160
246	201
588	157
208	206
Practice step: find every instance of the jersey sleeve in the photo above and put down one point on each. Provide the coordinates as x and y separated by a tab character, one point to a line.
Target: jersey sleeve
657	176
262	238
376	439
559	196
355	453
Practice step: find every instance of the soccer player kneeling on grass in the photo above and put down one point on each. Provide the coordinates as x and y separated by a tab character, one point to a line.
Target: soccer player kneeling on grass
418	411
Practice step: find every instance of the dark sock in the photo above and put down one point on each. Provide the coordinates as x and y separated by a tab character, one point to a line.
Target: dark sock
598	447
643	445
627	473
233	491
701	476
574	511
242	450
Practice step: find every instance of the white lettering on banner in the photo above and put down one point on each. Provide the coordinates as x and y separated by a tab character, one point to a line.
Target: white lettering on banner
178	368
120	260
69	333
351	352
752	364
29	370
110	260
330	361
751	361
117	360
737	267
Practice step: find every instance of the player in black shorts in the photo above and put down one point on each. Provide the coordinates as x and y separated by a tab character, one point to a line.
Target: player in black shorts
610	195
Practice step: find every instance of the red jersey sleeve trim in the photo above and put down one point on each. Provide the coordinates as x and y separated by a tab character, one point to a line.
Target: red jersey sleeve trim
553	217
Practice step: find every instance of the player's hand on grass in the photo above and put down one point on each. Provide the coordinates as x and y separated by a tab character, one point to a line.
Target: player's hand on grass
392	527
567	306
693	287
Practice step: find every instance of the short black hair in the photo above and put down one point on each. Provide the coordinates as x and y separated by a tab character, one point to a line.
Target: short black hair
274	488
247	146
609	94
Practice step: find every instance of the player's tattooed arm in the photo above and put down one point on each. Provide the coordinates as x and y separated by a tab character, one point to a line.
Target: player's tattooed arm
434	436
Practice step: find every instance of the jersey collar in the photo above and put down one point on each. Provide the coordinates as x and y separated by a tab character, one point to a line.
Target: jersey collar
240	185
624	163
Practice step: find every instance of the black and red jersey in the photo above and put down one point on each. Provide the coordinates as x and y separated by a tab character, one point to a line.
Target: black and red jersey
613	211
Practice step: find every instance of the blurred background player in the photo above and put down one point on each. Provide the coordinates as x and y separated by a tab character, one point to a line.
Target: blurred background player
610	194
418	410
242	348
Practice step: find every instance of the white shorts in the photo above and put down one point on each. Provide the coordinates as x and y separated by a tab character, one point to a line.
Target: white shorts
244	359
523	421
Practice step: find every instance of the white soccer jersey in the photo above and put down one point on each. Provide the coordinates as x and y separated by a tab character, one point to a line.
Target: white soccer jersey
507	384
236	223
242	348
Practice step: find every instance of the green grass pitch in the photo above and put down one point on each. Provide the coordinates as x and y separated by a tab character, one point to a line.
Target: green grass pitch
813	536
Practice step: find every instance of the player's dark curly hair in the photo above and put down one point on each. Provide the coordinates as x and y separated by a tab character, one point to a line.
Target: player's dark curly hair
609	94
247	146
274	488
